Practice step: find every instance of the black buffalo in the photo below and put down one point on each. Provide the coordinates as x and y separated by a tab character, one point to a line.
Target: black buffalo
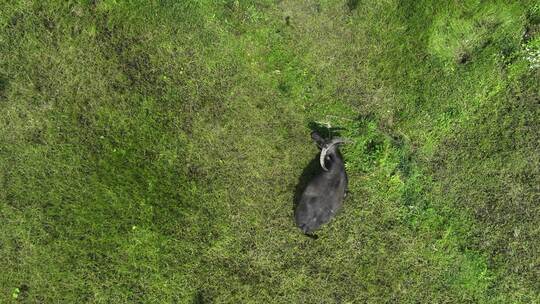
325	192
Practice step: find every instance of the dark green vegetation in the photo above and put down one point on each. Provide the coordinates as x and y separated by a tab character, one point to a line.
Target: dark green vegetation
150	150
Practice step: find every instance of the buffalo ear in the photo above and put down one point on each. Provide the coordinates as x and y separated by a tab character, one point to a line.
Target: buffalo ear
318	139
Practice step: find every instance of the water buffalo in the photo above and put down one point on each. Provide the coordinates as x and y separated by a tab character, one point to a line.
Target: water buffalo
324	193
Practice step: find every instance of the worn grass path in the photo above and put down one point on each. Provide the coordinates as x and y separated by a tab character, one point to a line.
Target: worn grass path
150	151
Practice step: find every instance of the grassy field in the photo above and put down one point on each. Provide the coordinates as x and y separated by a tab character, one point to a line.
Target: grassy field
150	151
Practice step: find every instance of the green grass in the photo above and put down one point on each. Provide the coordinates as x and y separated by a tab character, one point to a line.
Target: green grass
150	151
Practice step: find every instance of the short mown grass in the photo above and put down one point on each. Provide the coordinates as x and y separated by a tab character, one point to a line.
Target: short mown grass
150	151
